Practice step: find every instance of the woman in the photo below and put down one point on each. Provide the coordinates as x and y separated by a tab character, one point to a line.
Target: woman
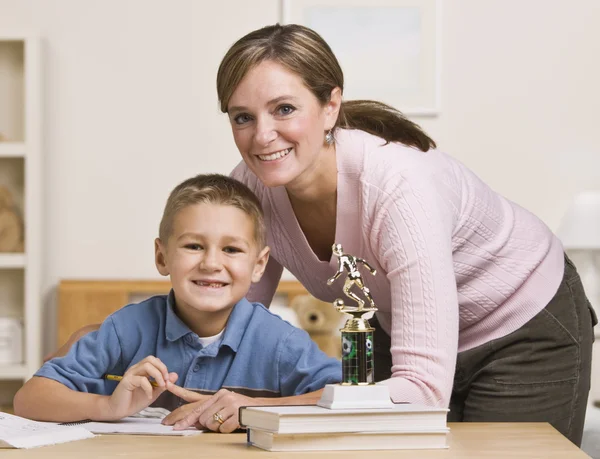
479	308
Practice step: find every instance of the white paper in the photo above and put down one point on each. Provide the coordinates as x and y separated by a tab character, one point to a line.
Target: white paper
137	426
18	432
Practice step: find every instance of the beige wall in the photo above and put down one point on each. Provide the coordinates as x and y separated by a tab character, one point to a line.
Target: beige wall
131	110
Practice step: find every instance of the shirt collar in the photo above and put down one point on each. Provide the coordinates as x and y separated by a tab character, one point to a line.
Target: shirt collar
174	326
236	324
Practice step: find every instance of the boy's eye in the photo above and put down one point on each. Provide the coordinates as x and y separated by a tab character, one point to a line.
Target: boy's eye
231	250
193	246
286	110
242	118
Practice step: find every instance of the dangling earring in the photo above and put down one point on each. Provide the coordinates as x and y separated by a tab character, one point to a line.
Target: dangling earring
329	137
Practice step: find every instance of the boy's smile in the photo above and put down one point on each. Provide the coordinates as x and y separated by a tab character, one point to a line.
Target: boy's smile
212	258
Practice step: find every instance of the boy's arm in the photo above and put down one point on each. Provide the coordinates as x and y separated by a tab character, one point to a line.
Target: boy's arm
66	347
62	384
44	399
303	367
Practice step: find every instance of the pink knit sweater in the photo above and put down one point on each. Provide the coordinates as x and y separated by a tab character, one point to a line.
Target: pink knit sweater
457	264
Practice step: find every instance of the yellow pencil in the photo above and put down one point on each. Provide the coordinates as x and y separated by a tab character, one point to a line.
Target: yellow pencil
118	378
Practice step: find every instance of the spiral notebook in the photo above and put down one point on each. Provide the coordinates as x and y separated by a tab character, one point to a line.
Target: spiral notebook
135	426
18	432
146	422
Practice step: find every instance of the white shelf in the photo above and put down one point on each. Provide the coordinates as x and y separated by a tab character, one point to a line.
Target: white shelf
20	78
13	371
12	150
12	260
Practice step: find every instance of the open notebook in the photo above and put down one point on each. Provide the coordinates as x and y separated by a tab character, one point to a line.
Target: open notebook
18	432
135	426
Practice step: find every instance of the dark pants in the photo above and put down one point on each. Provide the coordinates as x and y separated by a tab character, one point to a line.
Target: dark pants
538	373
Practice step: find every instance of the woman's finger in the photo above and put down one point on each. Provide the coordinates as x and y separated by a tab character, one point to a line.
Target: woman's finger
187	395
177	414
223	419
193	417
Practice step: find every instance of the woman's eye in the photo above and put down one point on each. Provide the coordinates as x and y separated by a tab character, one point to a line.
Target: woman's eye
286	110
242	118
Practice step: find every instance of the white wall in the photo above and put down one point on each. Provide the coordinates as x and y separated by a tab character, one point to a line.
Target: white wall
131	110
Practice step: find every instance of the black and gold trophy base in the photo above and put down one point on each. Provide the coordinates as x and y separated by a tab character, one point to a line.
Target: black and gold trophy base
358	388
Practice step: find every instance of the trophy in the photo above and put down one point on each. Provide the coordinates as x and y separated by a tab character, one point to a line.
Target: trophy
358	388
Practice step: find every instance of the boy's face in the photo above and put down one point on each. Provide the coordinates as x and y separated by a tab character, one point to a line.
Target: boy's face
212	258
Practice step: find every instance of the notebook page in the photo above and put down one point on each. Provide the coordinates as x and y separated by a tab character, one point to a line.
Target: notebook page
18	432
138	426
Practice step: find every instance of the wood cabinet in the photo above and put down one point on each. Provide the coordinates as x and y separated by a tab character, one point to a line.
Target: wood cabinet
82	303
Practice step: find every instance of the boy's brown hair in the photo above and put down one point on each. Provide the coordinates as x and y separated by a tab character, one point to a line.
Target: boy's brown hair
214	189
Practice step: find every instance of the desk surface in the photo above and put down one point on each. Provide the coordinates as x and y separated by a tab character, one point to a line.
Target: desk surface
467	441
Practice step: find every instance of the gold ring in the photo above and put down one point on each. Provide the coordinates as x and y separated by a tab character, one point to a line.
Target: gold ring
217	417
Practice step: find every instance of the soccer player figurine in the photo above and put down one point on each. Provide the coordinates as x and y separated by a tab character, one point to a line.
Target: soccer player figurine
350	263
357	335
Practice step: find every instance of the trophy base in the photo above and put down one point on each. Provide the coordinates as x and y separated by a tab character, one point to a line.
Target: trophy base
345	397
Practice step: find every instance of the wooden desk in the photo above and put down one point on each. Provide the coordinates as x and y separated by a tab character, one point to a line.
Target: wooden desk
467	441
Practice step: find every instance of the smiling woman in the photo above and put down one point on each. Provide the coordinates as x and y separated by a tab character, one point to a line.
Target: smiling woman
463	270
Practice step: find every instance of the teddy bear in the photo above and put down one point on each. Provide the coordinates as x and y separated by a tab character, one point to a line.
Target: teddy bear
321	321
11	225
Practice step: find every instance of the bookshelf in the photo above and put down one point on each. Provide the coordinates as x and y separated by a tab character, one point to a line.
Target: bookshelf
21	174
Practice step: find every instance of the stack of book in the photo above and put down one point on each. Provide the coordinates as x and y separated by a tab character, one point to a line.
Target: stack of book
313	428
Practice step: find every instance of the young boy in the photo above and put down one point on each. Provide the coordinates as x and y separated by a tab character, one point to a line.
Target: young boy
204	335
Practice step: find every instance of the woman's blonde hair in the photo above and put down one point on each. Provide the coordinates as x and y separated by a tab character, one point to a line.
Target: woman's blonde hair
304	52
214	189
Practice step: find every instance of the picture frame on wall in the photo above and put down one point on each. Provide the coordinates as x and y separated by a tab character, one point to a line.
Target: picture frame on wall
389	50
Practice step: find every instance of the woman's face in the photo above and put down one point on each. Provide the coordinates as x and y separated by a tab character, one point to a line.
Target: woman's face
279	125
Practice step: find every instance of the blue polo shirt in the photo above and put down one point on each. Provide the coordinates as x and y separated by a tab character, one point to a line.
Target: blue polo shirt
259	354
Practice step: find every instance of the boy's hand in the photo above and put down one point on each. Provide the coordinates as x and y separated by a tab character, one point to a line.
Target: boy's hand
201	411
135	392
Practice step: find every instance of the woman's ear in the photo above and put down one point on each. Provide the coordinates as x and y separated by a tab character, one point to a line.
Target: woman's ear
332	108
160	257
261	264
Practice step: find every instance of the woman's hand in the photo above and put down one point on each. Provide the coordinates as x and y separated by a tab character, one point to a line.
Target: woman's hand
135	391
64	349
203	409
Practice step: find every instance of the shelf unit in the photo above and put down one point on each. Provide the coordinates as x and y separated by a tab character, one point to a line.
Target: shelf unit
21	172
12	150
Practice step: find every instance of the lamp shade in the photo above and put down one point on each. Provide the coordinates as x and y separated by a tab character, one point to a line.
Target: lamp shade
580	227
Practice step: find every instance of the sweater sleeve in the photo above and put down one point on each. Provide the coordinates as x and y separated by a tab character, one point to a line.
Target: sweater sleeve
412	235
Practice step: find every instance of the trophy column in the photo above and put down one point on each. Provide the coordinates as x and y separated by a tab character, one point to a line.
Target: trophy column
358	365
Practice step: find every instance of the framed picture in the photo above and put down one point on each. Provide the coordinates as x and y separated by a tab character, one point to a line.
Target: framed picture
389	50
